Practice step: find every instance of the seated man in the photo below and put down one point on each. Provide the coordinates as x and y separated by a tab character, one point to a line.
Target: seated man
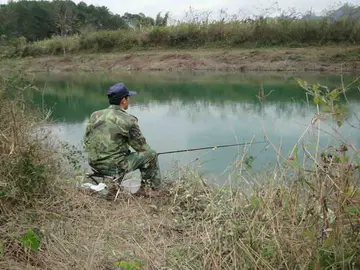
109	134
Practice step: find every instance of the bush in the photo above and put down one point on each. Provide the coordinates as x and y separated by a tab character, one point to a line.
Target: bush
28	167
108	40
260	32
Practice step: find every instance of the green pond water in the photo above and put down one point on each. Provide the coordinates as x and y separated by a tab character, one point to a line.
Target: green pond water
194	109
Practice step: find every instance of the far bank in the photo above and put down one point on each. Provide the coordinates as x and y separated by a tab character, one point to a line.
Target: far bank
335	59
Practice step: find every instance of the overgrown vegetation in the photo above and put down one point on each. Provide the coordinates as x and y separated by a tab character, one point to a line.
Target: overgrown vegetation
38	20
196	31
297	216
32	172
25	175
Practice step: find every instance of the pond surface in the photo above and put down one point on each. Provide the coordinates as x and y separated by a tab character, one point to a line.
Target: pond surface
190	110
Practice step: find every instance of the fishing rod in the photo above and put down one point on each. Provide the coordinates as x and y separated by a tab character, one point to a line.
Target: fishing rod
208	147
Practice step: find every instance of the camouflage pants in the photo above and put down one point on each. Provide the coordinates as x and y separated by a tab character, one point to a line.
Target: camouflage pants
147	163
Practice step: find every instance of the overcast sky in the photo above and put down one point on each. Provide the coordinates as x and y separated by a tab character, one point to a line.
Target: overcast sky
240	7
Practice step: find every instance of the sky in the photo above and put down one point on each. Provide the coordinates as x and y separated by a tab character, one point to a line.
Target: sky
178	9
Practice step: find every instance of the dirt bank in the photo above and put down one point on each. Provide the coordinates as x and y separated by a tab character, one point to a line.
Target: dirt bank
325	59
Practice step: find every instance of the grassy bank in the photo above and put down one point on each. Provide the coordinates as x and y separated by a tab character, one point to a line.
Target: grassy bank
292	217
236	33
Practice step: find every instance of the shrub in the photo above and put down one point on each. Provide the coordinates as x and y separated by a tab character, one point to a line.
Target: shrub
235	33
29	159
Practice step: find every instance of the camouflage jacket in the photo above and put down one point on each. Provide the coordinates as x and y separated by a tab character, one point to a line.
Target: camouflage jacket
109	134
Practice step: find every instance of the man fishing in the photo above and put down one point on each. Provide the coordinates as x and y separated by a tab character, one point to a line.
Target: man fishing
108	136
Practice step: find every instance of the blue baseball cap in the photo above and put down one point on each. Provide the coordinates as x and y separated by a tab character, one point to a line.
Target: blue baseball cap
118	91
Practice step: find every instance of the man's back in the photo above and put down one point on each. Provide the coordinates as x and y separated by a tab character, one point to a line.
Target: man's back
109	134
107	137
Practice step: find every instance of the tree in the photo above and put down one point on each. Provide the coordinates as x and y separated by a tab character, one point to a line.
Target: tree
64	13
37	20
162	21
138	20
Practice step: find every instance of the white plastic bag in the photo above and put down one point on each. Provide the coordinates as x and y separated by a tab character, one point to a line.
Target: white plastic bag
97	188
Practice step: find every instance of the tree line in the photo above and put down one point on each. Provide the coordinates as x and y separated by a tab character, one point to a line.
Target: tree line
38	20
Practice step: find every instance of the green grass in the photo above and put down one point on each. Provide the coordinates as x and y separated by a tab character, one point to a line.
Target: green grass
258	33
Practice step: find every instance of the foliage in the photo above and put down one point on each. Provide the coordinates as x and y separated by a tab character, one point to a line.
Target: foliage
31	241
128	265
24	174
70	28
232	34
39	20
328	100
30	165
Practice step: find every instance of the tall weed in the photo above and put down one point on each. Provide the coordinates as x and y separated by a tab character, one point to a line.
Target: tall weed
28	162
234	33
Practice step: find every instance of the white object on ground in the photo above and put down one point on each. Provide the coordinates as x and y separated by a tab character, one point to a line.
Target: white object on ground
98	188
131	186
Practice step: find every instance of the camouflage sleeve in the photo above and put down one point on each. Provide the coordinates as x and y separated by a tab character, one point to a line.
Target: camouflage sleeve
87	130
136	139
86	135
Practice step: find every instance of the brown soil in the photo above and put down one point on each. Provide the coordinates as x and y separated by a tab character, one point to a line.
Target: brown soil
326	59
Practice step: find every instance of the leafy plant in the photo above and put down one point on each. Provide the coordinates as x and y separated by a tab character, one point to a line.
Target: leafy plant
30	241
248	161
128	265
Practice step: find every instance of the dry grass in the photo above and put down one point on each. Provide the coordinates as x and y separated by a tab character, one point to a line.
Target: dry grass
25	171
325	59
192	227
298	218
